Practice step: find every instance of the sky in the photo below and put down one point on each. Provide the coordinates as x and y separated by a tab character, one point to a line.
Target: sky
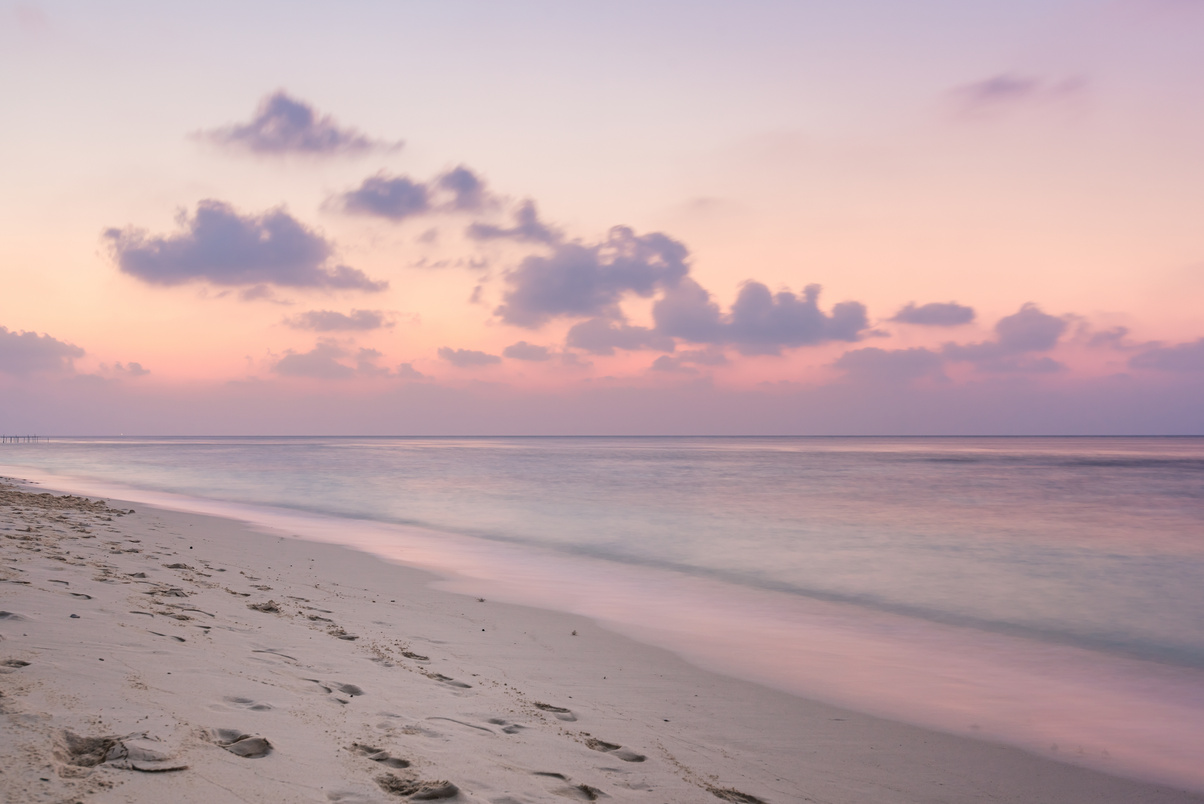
416	218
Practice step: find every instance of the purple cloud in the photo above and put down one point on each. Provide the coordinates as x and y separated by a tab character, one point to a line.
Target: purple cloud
467	358
467	189
1008	90
406	371
684	361
578	280
527	351
601	336
1180	357
24	353
321	362
284	125
332	321
760	322
935	314
527	228
132	369
890	366
392	197
220	246
1016	336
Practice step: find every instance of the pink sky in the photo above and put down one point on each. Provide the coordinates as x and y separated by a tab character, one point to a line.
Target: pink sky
657	217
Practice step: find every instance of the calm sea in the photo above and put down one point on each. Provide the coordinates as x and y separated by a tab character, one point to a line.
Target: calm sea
1047	592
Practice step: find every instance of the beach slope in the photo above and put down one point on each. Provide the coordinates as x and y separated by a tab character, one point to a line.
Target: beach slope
152	655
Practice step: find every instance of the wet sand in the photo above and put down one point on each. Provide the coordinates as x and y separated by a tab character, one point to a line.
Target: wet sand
162	656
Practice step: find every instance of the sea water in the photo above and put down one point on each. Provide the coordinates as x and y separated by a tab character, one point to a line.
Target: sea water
1046	592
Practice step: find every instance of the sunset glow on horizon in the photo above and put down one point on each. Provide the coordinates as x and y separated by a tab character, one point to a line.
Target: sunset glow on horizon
467	217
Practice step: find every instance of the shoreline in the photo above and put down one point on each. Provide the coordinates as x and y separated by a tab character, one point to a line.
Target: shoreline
462	690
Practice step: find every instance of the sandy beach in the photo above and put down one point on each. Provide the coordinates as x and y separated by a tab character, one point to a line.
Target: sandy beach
149	655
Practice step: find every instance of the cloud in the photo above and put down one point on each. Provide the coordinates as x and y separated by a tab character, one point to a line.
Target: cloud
132	369
284	125
219	245
1110	338
406	371
684	361
671	365
332	321
321	362
601	336
400	197
935	314
392	197
872	364
467	189
467	358
759	322
581	280
1180	357
1026	331
527	351
1029	330
24	353
527	228
1115	338
1007	90
365	363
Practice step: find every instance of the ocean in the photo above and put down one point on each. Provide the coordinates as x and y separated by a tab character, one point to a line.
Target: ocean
1042	592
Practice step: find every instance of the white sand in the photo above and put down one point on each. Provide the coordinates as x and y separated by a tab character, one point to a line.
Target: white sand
438	694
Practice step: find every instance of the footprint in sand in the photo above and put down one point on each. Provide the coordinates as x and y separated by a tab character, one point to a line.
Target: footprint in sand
12	665
339	633
239	744
449	681
350	690
248	703
169	636
614	750
417	790
379	755
559	711
139	752
581	792
735	796
507	727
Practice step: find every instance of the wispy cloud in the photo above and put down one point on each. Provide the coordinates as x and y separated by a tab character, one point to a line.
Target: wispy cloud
333	321
527	228
1180	357
602	336
890	366
467	358
286	125
1007	91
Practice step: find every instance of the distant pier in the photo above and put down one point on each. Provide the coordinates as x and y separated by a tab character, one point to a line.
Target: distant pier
27	439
